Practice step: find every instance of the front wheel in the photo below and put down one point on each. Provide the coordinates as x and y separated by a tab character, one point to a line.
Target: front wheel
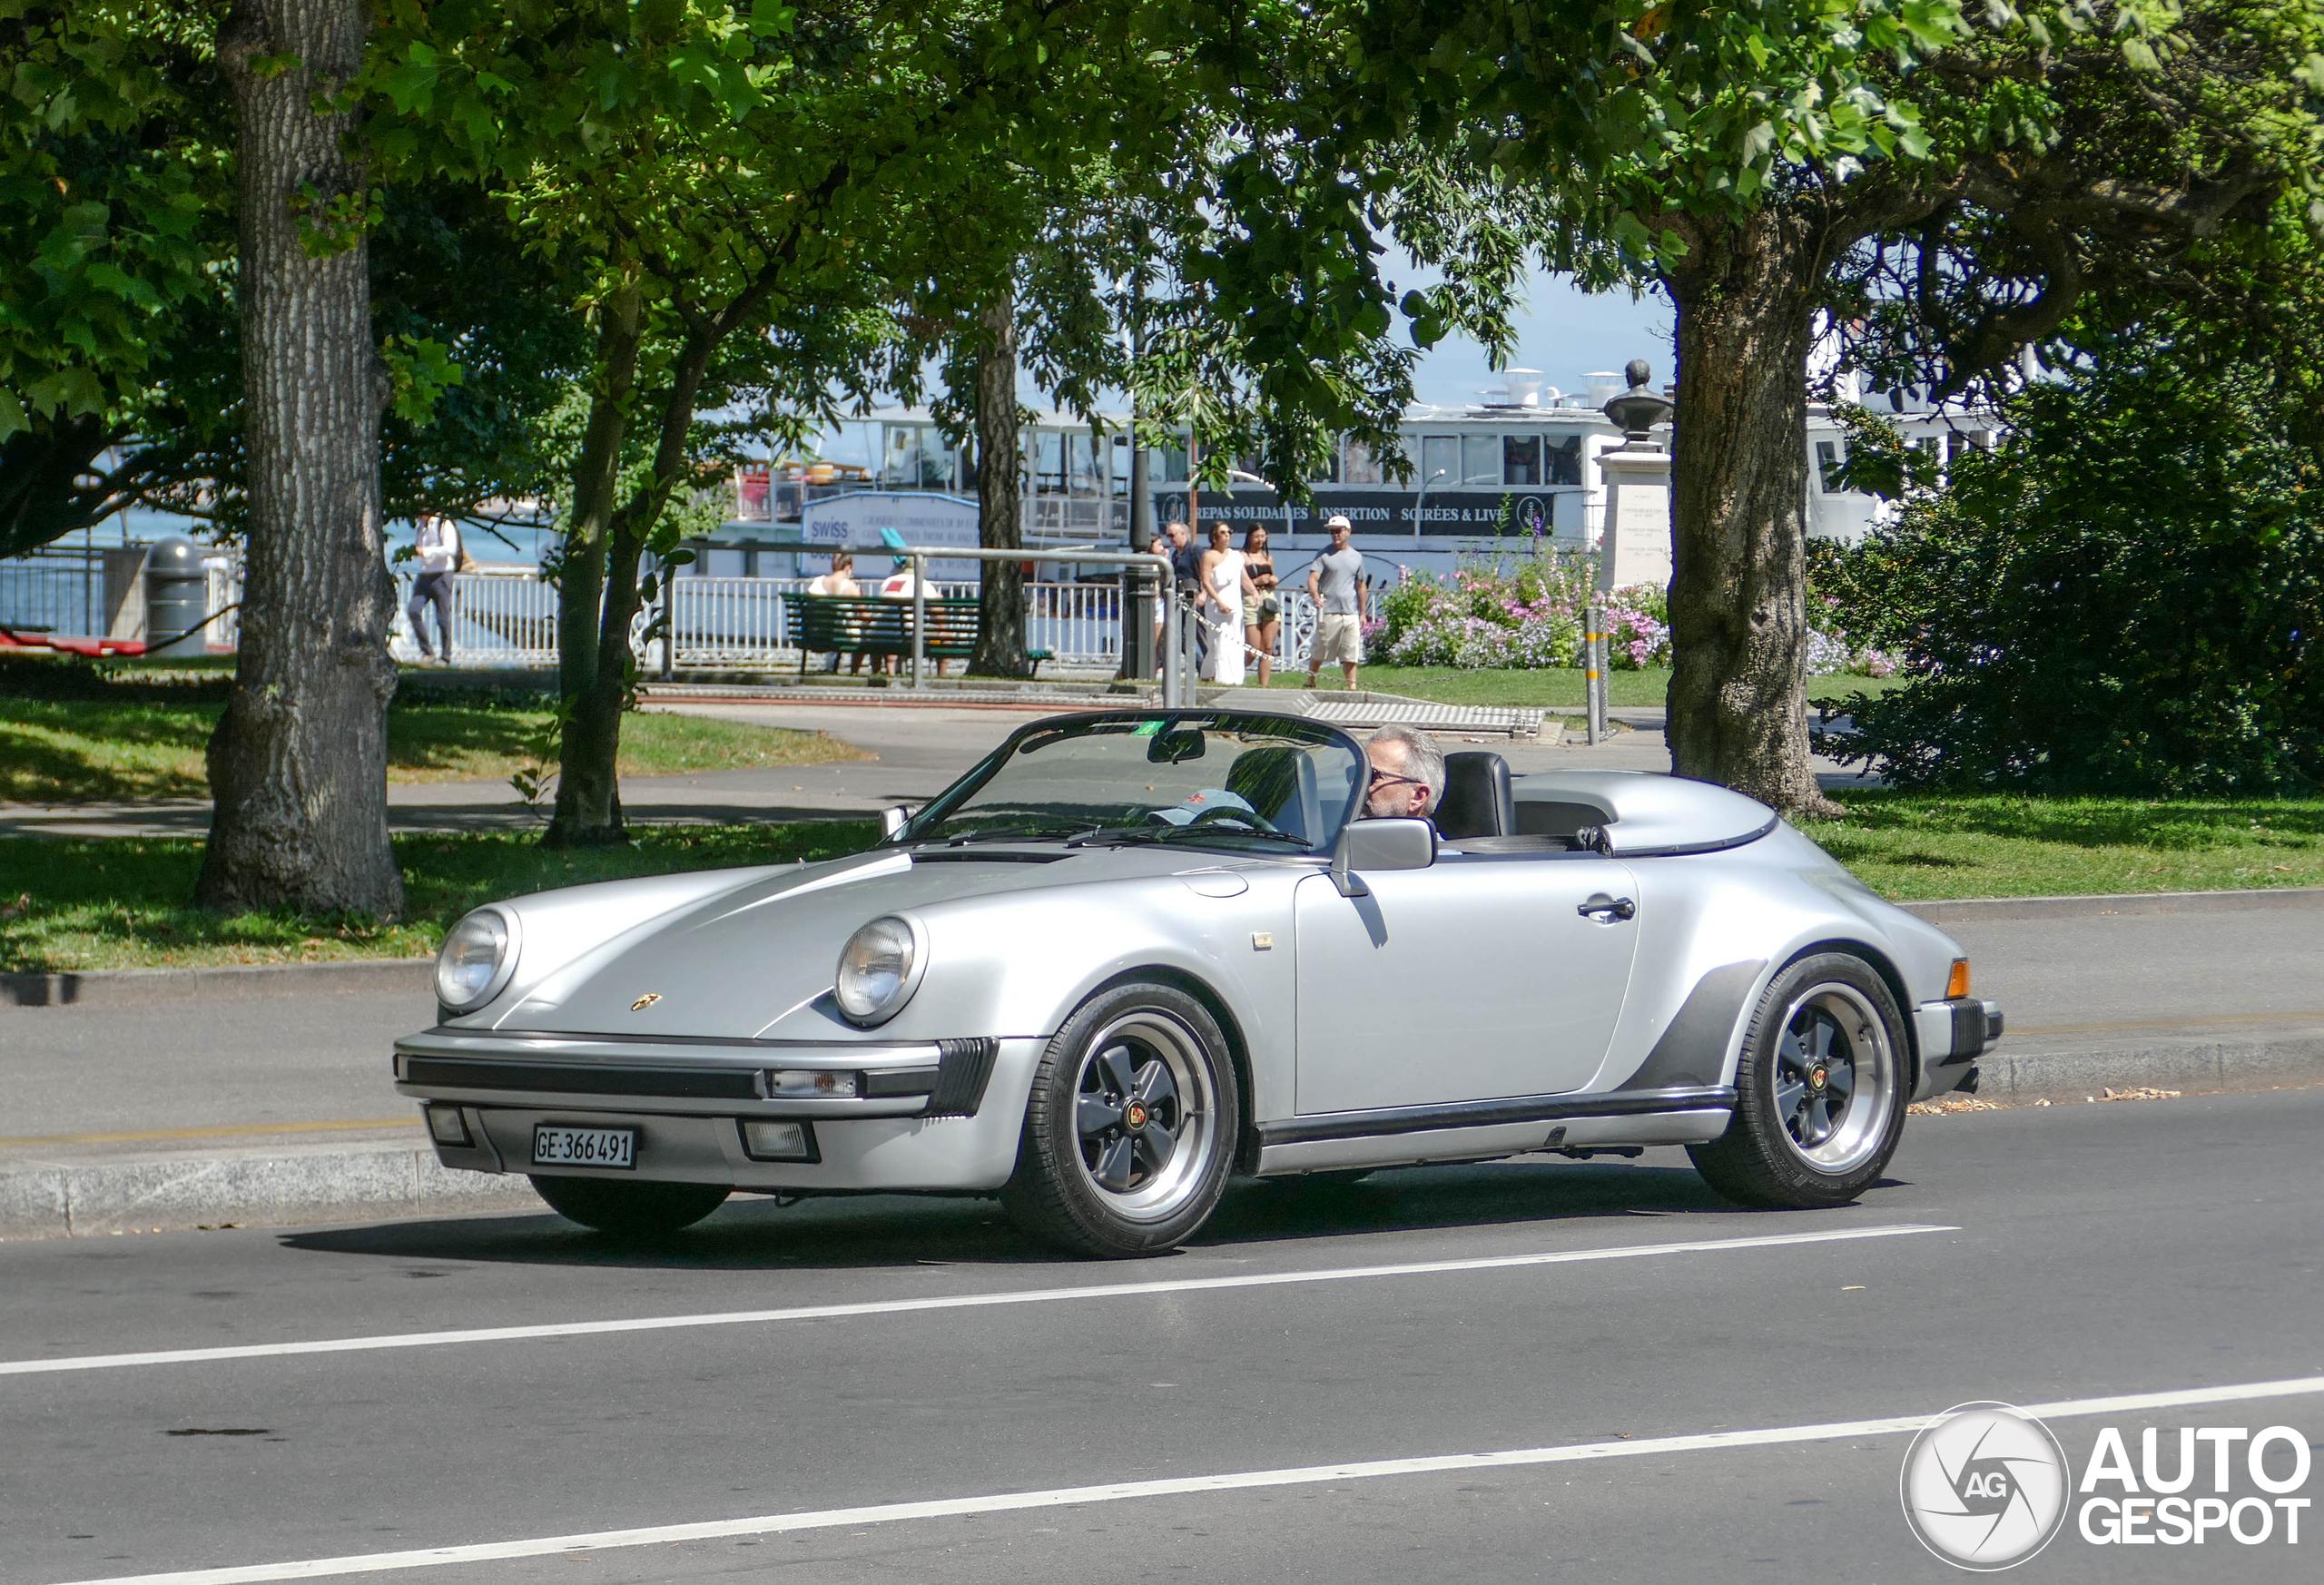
1130	1129
631	1210
1820	1093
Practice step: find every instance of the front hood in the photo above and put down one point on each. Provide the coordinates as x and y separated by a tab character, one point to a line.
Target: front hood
728	967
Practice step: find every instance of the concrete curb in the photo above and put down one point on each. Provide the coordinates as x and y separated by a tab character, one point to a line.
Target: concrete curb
1994	909
133	987
2196	1064
246	1189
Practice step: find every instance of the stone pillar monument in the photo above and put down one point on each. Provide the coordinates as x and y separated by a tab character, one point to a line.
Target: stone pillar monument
1636	546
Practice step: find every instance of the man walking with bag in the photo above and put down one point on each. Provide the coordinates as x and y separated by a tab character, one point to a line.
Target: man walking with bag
441	559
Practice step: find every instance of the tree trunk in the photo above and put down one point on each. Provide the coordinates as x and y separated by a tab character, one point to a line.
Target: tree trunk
298	764
588	792
1737	704
1000	604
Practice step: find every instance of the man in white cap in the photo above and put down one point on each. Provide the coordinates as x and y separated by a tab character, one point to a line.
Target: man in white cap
1336	583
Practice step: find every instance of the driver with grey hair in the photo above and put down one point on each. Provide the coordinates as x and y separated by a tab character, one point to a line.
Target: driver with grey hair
1407	774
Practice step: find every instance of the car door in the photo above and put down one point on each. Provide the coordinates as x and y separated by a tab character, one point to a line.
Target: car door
1471	979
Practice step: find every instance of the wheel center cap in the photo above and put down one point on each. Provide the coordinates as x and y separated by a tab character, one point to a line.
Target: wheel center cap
1817	1075
1134	1117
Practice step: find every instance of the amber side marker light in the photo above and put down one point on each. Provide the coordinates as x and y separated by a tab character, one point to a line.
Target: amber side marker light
1958	986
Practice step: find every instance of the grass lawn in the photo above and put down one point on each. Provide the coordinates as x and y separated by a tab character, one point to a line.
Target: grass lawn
1921	846
1559	688
148	744
121	902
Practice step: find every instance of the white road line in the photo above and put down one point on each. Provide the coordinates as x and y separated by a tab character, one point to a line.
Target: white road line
1132	1490
105	1362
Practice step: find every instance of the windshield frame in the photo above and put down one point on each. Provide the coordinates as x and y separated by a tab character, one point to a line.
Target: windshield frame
914	833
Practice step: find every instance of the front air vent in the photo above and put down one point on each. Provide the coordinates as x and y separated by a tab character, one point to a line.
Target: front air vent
962	1072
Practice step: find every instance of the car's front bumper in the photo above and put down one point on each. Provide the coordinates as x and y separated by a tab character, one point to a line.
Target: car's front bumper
1953	1035
939	1115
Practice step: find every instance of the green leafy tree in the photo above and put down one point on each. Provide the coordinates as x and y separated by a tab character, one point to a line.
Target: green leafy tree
1767	164
2125	595
115	226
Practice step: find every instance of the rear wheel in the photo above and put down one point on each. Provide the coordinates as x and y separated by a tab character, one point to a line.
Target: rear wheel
1820	1093
631	1210
1130	1129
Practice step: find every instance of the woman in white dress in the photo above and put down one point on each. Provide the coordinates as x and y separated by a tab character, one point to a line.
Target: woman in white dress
1224	584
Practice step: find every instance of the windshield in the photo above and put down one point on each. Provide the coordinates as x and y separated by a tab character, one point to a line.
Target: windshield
1196	779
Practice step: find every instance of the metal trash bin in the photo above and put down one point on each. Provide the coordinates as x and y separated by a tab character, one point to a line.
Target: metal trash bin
177	599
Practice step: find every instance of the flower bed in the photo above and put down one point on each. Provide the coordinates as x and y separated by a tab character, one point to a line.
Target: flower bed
1526	614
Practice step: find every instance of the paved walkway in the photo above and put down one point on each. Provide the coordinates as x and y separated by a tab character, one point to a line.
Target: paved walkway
917	750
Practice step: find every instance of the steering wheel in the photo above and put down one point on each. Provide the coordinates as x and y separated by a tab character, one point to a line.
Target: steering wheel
1249	817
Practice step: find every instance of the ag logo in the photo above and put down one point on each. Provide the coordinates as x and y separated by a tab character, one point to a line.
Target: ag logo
1985	1486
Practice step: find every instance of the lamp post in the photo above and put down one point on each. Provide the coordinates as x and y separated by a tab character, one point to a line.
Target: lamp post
1422	503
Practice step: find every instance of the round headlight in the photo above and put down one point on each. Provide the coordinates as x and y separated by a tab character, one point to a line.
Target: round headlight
469	969
876	970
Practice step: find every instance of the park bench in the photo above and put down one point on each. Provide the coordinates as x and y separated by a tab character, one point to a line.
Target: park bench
840	624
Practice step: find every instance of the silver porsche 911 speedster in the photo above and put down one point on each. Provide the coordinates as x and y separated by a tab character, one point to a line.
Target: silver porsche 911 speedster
1133	954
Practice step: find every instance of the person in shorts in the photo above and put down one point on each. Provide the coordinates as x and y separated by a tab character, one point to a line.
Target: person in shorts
1336	583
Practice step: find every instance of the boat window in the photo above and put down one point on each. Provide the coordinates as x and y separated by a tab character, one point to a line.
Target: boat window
1363	464
1480	460
1439	454
1520	459
1827	467
1563	464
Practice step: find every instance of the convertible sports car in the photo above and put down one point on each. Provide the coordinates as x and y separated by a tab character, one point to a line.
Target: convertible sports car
1133	954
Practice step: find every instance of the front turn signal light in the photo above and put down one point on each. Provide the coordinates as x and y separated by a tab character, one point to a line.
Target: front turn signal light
1957	985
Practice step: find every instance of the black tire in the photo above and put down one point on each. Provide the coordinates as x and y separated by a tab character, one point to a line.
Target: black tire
1099	1175
632	1210
1820	1091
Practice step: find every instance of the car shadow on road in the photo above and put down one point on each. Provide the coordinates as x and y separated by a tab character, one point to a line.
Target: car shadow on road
877	1231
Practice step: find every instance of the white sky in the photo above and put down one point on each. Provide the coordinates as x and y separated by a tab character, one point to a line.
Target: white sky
1565	334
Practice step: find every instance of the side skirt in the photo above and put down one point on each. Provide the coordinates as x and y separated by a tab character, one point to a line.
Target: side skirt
1476	1130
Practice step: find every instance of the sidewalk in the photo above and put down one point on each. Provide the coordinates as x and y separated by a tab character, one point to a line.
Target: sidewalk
206	1098
918	749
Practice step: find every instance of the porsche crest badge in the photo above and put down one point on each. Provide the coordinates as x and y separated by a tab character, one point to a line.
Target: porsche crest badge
643	1002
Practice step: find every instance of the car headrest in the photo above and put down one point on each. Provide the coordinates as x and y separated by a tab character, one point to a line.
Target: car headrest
1479	799
1279	781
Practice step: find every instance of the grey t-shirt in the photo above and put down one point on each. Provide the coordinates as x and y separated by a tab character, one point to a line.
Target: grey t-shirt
1336	575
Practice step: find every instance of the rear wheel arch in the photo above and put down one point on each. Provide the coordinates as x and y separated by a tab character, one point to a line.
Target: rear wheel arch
1883	965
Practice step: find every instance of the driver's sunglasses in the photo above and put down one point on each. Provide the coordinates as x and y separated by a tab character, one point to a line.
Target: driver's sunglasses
1380	780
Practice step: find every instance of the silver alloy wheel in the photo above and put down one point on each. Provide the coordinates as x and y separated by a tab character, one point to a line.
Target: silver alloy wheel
1145	1111
1835	1077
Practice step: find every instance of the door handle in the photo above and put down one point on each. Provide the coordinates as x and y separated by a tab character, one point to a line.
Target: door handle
1606	909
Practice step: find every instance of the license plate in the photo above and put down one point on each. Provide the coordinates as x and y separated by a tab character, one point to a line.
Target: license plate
585	1146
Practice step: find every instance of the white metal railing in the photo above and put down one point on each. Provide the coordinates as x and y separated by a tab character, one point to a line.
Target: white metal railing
501	616
507	616
70	591
54	590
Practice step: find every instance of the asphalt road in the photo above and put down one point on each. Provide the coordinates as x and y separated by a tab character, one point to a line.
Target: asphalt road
2124	1248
